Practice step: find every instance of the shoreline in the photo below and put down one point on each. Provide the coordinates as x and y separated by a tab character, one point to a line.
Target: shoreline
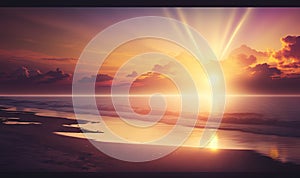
35	147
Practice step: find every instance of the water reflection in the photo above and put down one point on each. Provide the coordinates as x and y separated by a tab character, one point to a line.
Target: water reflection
249	124
274	154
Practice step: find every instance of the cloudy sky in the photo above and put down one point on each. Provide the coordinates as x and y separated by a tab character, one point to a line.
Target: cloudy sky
258	48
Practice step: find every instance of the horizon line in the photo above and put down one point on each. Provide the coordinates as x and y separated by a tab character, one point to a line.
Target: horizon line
120	95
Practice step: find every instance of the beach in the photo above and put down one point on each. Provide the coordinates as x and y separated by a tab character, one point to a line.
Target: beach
33	147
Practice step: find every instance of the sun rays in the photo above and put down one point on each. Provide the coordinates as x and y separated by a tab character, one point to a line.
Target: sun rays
237	28
229	24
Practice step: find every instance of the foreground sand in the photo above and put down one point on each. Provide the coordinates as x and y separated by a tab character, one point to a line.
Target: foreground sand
35	147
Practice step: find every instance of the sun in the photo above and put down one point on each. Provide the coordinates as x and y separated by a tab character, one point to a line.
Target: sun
214	143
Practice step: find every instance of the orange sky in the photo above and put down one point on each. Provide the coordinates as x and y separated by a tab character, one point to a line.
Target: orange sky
258	48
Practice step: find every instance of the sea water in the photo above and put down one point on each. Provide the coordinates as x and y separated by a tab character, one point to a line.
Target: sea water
269	125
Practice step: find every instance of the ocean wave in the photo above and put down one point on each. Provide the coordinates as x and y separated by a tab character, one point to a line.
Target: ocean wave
257	123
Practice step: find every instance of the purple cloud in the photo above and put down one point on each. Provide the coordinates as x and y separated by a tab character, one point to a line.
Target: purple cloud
133	74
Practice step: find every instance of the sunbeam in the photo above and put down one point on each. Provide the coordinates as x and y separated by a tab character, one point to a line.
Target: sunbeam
238	27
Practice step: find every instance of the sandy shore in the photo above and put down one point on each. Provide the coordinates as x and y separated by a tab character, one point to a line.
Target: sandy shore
35	147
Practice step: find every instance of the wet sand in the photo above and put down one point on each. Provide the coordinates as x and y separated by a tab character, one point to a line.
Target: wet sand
35	148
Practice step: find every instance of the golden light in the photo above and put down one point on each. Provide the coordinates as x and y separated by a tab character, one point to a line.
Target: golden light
220	39
274	153
225	50
214	143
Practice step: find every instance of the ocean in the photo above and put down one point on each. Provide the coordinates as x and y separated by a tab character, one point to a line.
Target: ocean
269	125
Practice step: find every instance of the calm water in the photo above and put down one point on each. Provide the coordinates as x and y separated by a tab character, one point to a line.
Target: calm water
269	125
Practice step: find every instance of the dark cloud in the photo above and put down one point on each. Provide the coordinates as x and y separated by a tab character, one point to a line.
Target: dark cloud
288	57
250	71
291	65
133	74
98	78
293	76
52	76
102	80
264	71
34	81
25	73
265	79
291	48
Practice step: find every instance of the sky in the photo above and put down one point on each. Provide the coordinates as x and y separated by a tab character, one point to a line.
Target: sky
258	49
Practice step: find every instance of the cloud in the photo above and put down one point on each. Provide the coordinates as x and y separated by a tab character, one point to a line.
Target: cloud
24	73
263	79
246	60
153	82
98	78
264	71
250	71
152	79
27	80
244	56
169	68
52	76
290	48
148	78
133	74
288	57
102	80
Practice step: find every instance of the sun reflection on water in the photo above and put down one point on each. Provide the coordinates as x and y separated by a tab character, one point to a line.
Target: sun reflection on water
274	153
